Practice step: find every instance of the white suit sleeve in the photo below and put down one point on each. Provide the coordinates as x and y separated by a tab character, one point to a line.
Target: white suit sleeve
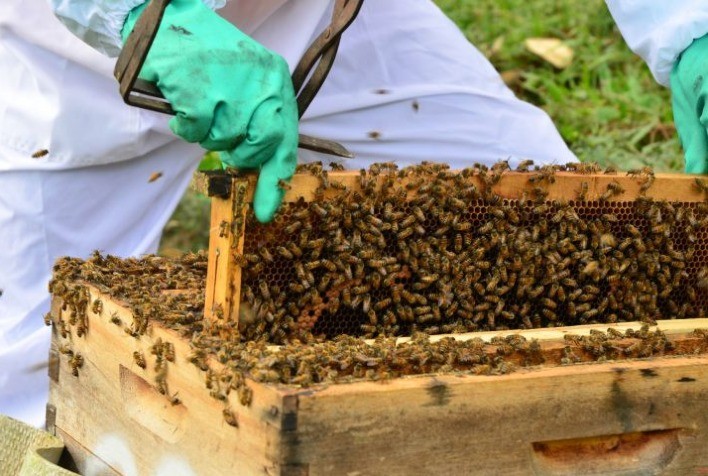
659	30
99	22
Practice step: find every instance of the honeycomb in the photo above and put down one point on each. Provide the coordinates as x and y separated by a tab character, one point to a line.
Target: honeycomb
431	250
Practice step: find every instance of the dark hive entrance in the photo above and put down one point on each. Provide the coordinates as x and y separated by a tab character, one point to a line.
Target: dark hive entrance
426	249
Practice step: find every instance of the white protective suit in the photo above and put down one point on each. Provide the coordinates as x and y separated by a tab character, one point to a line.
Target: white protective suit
91	190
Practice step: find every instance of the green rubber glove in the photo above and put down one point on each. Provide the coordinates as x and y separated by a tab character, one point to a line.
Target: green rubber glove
689	93
230	93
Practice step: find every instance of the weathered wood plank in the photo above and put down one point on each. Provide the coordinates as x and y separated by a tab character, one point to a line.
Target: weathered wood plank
640	417
671	187
114	408
669	327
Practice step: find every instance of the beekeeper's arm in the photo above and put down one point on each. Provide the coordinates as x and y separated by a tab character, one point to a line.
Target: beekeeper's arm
672	38
230	93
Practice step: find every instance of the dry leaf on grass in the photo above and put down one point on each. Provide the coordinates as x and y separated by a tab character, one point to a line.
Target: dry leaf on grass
551	50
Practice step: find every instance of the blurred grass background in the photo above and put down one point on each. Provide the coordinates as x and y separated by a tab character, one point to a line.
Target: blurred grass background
605	104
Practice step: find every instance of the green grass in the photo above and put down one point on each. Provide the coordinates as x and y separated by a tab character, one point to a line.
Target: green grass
605	104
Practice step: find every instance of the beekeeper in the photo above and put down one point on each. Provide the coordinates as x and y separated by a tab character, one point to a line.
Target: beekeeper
75	162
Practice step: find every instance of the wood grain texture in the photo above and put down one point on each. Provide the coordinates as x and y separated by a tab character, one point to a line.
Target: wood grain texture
671	187
643	416
226	239
114	409
498	424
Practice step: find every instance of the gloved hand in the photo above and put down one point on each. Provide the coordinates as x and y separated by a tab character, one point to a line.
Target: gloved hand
689	90
230	93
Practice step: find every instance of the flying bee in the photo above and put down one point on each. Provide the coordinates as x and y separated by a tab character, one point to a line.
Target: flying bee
40	153
154	176
376	135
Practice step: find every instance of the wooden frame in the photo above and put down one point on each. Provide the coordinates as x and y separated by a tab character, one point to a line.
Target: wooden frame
621	417
229	200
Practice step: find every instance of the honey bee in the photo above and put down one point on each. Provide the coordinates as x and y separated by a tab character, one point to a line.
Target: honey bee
265	254
524	165
223	229
139	359
613	189
293	227
701	184
230	417
76	362
169	351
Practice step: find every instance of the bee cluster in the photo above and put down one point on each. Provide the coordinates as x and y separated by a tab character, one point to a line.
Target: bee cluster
415	252
169	291
425	249
347	358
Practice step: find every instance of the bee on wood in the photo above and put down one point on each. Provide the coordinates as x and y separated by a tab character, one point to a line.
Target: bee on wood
283	185
223	229
97	307
230	417
588	168
524	165
76	362
583	192
169	351
647	183
613	189
139	359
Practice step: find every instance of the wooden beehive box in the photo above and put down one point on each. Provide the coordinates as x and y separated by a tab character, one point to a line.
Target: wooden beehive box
640	416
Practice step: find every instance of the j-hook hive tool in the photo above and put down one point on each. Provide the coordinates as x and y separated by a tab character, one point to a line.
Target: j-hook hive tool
308	76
